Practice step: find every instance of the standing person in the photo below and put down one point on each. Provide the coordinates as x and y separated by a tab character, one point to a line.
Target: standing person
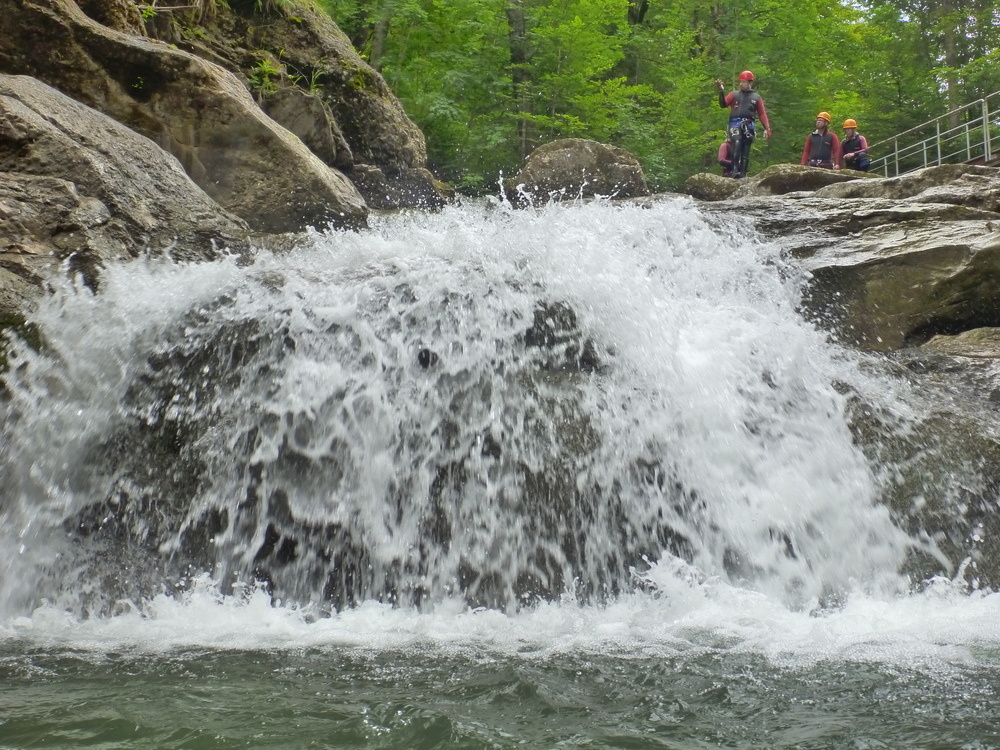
745	106
822	147
854	148
726	158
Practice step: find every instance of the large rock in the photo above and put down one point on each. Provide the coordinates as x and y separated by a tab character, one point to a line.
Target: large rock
898	284
308	117
311	47
705	186
577	168
781	179
413	188
196	110
891	267
77	185
304	48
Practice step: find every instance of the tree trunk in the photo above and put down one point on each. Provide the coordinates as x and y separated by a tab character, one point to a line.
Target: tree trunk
517	26
637	11
379	34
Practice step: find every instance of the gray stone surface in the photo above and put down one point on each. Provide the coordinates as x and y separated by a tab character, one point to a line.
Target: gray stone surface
196	110
79	187
577	168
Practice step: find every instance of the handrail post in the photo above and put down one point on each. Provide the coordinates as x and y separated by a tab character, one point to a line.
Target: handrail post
987	155
895	155
937	139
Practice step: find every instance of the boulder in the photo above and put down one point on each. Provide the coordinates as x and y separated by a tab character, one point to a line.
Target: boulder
781	179
414	188
196	110
577	168
977	343
706	186
897	285
303	50
77	185
315	51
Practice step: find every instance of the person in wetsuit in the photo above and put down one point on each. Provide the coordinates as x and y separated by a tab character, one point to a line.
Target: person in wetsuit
745	107
822	147
854	148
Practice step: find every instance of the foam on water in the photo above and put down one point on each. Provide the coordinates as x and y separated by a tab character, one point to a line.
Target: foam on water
938	631
710	379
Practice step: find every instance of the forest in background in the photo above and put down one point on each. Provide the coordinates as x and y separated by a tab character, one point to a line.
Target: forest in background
488	80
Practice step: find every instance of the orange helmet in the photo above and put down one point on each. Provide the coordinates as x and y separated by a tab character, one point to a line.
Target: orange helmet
825	116
746	75
850	123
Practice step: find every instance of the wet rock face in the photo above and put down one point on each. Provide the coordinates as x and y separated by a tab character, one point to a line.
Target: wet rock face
576	168
412	188
898	285
196	110
76	184
896	261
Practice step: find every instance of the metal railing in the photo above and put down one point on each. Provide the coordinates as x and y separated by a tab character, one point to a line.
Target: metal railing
969	134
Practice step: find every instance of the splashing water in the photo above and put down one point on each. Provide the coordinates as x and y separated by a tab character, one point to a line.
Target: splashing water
576	476
501	406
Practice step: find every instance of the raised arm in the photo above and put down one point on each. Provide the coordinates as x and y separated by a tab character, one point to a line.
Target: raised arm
724	100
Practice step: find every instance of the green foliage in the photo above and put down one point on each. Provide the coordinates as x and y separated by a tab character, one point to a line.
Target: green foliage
982	76
487	80
312	84
271	7
265	75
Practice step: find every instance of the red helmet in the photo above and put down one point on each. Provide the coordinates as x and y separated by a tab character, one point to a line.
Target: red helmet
746	75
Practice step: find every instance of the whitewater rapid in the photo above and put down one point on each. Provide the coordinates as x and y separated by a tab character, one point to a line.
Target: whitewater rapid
708	373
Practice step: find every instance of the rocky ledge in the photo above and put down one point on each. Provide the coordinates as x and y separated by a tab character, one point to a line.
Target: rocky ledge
894	262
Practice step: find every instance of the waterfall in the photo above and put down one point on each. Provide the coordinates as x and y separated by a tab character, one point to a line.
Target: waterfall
496	406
